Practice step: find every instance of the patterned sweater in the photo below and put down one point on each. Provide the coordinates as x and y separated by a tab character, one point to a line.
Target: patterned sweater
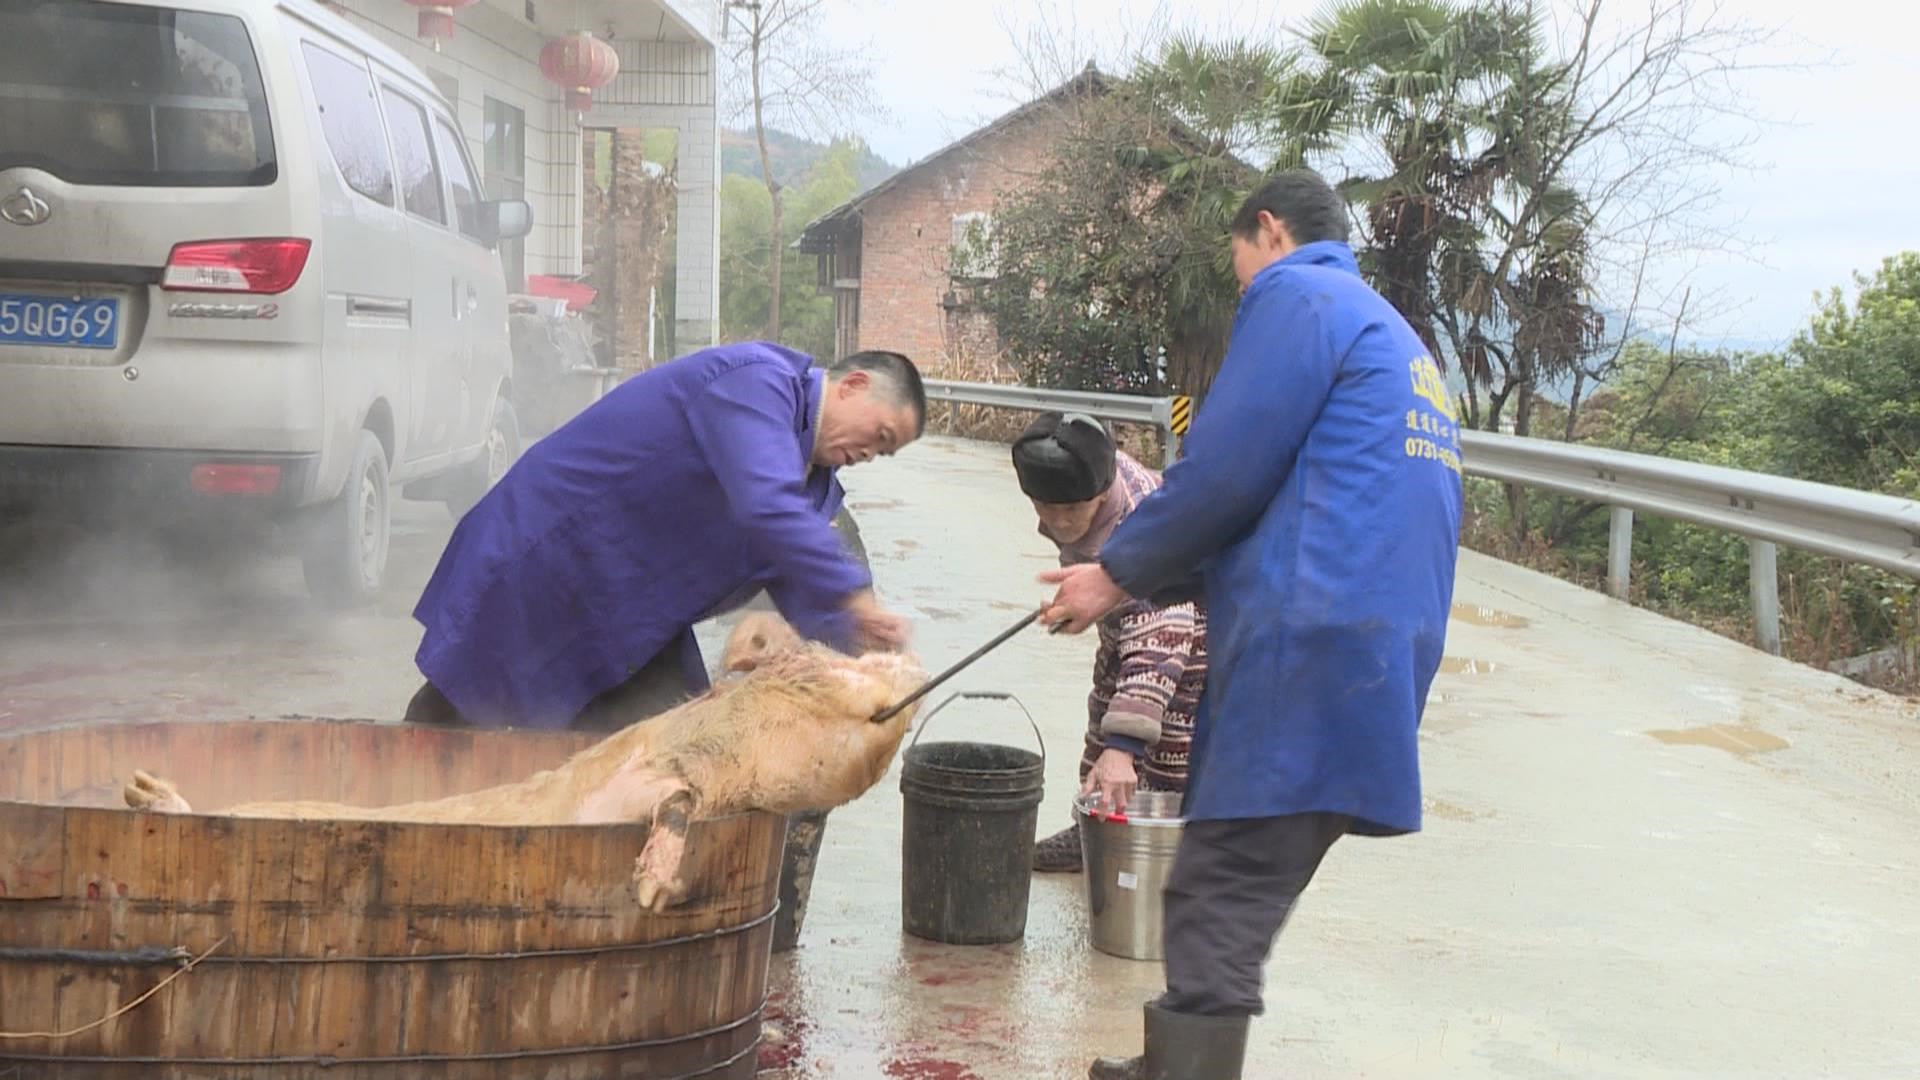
1151	665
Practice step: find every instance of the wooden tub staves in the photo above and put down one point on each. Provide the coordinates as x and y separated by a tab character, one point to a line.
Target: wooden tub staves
356	951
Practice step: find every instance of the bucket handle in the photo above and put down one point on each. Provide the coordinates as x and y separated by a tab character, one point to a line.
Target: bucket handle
985	695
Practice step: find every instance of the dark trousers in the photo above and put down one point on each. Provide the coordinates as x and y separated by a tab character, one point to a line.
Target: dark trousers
655	688
1232	887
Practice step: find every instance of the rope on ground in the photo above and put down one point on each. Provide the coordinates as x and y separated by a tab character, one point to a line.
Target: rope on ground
122	1010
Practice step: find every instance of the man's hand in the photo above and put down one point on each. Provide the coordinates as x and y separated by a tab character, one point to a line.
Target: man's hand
1114	777
1086	593
874	627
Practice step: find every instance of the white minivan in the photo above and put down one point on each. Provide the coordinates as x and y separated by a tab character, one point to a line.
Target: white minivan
246	268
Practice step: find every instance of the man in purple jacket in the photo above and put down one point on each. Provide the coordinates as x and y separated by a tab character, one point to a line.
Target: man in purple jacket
567	596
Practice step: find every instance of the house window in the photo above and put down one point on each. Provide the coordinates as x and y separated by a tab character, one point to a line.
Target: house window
974	256
449	88
506	176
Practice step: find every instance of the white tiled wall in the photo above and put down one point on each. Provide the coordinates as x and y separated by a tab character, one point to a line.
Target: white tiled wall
662	84
493	55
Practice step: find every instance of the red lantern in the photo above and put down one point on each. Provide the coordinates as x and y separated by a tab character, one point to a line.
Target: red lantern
436	16
582	64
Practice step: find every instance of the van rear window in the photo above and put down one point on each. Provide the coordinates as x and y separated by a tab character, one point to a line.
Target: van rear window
100	93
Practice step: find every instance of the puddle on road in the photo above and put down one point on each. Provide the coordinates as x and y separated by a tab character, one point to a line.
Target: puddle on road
907	543
1736	739
1466	665
1486	616
875	504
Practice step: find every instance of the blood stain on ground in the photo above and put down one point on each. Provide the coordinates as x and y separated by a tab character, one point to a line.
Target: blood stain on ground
928	1069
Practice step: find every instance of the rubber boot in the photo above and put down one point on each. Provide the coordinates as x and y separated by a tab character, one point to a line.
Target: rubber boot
1182	1047
1059	853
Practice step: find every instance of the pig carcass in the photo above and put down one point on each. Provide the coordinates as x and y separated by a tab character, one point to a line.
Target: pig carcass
791	731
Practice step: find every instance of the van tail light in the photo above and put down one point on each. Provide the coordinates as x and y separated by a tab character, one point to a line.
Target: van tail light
211	479
245	266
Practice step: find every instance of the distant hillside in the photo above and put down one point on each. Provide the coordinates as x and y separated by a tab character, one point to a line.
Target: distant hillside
792	156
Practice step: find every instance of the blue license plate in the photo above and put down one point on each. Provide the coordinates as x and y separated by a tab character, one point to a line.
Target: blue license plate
27	319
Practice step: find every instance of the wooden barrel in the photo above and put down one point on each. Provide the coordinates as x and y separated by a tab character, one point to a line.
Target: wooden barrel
358	950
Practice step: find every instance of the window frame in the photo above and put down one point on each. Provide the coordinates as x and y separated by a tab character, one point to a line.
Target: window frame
441	122
264	129
387	86
513	253
309	45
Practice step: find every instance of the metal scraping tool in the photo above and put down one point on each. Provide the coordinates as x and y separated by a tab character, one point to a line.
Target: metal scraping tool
893	710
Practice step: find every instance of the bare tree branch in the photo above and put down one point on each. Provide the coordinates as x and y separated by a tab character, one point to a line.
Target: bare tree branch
783	74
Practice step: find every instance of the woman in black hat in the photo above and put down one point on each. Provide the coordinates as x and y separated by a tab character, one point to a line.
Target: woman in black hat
1152	661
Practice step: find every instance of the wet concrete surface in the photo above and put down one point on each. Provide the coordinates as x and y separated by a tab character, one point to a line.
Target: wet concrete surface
1649	852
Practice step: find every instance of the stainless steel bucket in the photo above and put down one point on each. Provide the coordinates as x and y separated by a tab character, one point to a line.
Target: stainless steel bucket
1127	859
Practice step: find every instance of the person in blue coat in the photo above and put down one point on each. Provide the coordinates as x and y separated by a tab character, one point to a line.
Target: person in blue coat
1317	510
568	594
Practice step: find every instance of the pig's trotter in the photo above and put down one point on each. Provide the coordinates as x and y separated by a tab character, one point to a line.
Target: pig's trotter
148	792
656	874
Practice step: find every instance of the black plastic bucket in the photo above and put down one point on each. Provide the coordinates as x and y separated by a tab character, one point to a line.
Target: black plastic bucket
966	839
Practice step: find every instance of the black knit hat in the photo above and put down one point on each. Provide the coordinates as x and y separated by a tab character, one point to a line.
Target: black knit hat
1064	458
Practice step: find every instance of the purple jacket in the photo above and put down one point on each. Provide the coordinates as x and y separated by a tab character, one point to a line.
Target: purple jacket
677	496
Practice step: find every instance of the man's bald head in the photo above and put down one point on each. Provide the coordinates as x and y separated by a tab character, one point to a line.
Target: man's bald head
876	404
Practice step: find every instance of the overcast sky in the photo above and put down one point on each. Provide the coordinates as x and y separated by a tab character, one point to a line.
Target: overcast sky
1837	190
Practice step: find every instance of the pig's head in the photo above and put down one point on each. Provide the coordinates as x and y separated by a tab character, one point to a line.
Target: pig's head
830	751
757	637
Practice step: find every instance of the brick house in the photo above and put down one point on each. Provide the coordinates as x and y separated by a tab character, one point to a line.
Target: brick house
884	255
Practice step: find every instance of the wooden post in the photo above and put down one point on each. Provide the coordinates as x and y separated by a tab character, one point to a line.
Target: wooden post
1619	551
1763	581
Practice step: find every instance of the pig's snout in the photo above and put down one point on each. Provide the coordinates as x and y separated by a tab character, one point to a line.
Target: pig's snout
897	675
902	672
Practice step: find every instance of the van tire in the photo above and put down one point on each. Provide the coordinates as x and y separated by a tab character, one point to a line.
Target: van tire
345	547
477	477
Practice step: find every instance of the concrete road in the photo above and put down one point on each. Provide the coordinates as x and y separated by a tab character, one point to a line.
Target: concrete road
1650	852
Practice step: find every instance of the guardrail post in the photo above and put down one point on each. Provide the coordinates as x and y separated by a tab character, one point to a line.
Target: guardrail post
1169	442
1619	551
1764	585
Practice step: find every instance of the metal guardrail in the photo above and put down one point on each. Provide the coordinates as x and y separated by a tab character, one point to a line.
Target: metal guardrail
1854	526
1118	408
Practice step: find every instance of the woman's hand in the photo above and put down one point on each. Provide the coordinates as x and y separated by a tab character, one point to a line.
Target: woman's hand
1114	777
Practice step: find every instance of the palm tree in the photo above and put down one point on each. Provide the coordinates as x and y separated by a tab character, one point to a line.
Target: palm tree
1414	79
1227	105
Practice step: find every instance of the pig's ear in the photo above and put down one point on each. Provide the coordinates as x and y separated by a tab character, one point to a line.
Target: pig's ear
757	638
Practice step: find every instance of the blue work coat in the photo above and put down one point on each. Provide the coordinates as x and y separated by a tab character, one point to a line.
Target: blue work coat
678	495
1319	500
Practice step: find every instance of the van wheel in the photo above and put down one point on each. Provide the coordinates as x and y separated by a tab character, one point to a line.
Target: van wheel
478	478
345	552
